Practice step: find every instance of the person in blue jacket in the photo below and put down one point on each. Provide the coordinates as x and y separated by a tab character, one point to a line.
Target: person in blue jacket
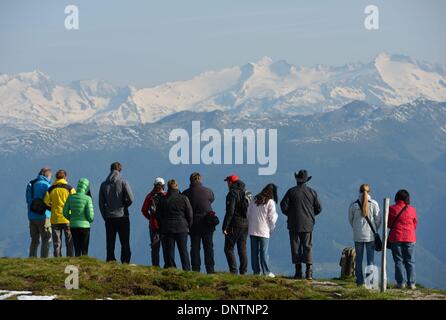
39	223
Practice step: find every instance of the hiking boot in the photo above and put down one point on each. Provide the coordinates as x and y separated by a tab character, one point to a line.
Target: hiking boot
298	274
309	272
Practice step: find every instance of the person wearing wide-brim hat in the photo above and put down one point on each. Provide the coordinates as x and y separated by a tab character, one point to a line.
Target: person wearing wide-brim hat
301	204
302	176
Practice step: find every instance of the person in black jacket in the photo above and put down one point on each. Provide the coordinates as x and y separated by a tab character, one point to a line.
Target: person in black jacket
235	224
175	218
301	204
201	199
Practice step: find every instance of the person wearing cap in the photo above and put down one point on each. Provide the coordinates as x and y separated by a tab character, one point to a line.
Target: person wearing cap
201	199
235	224
301	204
175	218
148	210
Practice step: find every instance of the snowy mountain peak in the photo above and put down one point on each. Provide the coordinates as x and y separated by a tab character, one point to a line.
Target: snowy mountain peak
95	87
265	61
34	77
262	87
282	68
408	80
384	56
33	74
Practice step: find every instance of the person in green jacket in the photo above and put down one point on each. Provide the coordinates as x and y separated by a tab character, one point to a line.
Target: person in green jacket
79	211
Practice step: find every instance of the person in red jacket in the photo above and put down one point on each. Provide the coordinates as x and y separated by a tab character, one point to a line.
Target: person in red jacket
149	211
402	238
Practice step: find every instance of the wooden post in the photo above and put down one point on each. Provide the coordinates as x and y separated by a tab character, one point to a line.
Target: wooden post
383	286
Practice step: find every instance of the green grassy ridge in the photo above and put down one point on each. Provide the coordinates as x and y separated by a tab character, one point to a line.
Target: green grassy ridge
101	280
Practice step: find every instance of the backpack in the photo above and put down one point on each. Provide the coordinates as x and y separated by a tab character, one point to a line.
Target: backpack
154	203
244	203
37	204
347	262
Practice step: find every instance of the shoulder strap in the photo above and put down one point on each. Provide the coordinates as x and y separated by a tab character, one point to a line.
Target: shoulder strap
370	224
398	216
366	217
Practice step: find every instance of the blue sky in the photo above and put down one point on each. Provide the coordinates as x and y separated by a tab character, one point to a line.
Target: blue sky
149	42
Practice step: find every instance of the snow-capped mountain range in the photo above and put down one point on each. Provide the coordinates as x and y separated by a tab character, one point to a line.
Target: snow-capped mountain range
265	87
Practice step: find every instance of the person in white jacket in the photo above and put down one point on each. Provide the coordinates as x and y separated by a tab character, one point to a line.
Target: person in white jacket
363	208
262	217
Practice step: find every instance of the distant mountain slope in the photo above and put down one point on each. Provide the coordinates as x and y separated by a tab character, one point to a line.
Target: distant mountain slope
422	121
262	88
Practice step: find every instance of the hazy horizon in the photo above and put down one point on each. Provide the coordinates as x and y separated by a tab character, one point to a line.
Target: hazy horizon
144	43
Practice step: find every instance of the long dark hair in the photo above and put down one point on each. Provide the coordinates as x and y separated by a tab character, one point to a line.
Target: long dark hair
268	193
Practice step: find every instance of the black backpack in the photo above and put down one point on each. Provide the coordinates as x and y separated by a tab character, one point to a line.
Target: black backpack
37	204
245	200
156	198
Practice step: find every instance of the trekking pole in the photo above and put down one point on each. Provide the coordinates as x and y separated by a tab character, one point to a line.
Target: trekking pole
383	285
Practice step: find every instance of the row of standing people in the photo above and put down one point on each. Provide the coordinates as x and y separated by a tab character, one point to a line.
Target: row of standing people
173	216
